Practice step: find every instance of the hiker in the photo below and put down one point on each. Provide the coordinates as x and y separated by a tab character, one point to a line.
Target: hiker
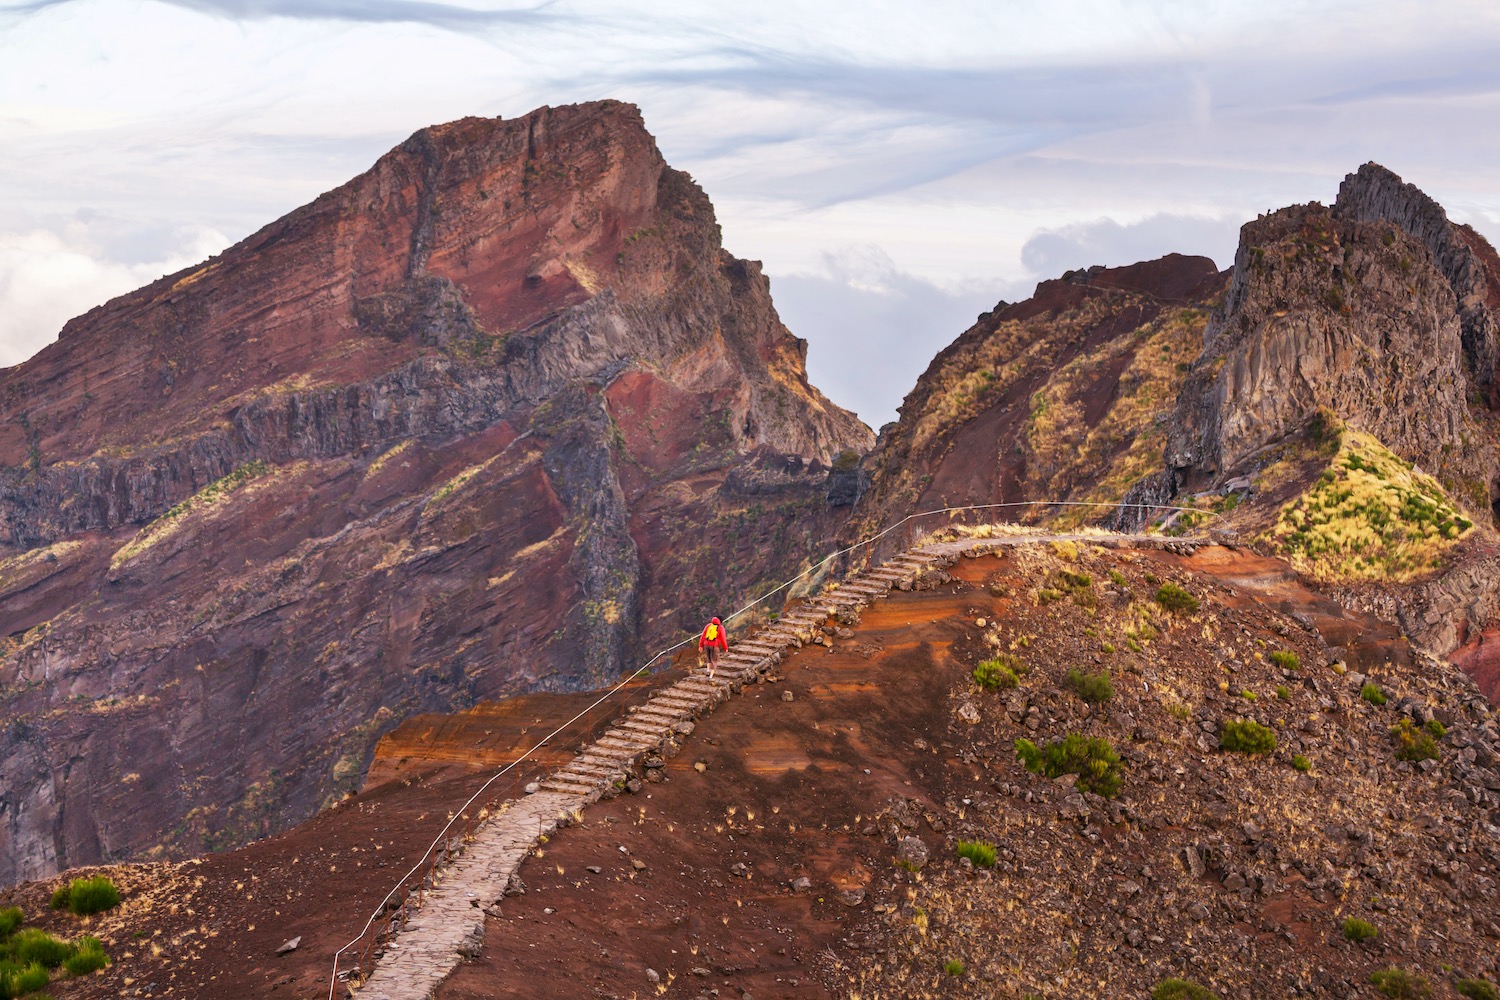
712	642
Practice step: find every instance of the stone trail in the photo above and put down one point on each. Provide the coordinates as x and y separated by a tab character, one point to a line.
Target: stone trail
450	924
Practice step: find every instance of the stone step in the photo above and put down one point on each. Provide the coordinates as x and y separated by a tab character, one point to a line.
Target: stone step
681	704
703	682
617	738
599	759
841	599
663	716
569	787
584	767
656	708
655	733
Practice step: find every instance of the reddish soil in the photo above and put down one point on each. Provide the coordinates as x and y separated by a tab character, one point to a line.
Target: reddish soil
1480	659
789	789
188	929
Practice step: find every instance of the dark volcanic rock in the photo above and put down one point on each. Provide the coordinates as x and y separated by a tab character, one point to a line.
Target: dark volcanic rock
1375	309
476	409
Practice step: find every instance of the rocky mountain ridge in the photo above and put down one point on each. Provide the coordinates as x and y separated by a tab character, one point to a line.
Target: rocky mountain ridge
493	416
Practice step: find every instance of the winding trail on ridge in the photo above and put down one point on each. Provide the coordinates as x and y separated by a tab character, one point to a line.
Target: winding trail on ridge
449	926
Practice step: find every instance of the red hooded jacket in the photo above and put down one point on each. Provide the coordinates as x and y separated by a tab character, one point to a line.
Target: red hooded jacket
705	642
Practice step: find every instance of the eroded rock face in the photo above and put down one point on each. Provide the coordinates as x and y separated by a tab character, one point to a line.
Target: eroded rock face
1374	194
1376	309
495	406
1055	398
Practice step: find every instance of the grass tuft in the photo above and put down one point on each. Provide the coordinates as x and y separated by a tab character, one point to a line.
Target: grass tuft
977	851
1246	736
1477	989
1172	597
1003	671
1398	984
84	896
1091	758
1412	743
1095	689
1181	989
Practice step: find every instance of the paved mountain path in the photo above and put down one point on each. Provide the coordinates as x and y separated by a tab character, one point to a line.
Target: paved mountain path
450	924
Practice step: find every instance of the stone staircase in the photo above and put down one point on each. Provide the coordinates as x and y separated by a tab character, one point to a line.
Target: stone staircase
449	926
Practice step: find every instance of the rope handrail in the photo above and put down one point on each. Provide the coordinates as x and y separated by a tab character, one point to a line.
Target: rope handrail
632	675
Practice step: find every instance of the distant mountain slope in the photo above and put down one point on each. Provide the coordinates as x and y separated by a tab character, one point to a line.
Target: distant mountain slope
1165	383
1059	397
493	416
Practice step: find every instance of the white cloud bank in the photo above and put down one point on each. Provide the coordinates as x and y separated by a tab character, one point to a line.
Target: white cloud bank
47	278
966	151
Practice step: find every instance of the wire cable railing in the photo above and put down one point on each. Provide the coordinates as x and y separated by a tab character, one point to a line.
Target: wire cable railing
358	945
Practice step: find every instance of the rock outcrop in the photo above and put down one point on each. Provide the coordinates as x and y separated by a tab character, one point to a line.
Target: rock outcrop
1377	309
479	421
1057	398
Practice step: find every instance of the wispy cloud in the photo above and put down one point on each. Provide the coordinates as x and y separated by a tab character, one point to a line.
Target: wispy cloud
891	324
967	153
442	15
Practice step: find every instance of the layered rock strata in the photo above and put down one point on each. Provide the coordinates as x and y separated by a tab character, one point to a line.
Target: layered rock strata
496	415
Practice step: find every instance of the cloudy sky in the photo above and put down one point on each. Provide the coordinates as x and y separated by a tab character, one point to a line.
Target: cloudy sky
898	167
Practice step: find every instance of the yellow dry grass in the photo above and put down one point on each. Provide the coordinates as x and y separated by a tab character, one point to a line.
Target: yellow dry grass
1127	441
1369	516
204	500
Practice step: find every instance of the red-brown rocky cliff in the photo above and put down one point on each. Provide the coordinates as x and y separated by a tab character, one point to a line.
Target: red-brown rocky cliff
497	415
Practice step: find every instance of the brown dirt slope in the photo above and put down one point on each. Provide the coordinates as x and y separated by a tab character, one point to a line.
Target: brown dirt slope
1234	870
497	415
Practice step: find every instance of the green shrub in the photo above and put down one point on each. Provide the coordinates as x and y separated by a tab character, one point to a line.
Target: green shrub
1398	984
88	895
1413	744
1286	659
88	956
1301	763
1080	586
60	898
1248	695
1437	729
1477	989
1093	688
953	967
1246	736
18	980
1283	692
1357	930
1371	692
1181	989
1118	578
977	851
10	919
1003	671
1091	758
30	944
1174	598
